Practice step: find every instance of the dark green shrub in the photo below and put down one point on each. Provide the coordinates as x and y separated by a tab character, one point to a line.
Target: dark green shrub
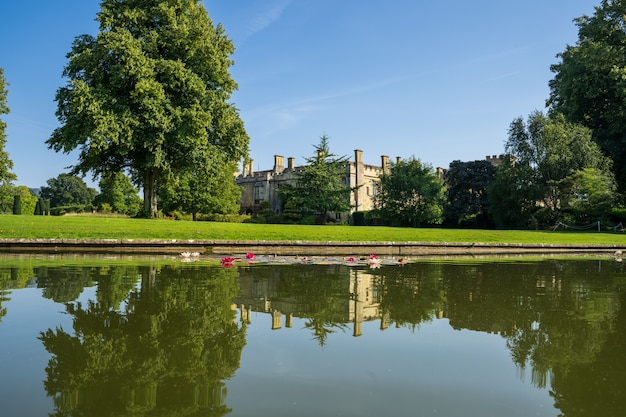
38	210
79	208
358	218
17	204
618	215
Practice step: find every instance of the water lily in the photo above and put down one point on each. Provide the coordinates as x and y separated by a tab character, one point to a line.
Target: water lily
373	262
350	259
228	261
249	255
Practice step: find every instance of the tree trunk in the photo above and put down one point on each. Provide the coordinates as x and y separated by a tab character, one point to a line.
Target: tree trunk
150	193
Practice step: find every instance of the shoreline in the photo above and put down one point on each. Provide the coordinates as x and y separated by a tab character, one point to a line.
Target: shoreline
311	248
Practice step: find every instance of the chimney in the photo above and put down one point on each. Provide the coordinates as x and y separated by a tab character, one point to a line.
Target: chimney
384	163
291	163
249	168
278	164
358	156
398	159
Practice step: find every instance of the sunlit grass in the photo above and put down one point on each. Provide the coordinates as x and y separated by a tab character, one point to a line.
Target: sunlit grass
91	227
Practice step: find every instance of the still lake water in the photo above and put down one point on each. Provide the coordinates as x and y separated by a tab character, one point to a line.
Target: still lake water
455	338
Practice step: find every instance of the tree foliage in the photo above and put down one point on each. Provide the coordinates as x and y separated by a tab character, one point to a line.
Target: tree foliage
592	195
164	349
6	164
203	188
67	190
547	155
118	192
513	203
467	199
321	187
149	90
588	86
411	194
28	199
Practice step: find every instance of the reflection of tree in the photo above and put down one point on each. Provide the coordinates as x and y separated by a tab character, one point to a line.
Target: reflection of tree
165	354
3	298
410	296
493	298
321	294
166	348
12	278
552	316
15	277
597	387
64	284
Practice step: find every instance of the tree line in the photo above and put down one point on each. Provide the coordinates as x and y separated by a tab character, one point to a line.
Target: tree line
147	105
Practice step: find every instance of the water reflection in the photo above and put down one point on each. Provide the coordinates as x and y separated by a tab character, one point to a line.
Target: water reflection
164	340
559	318
167	350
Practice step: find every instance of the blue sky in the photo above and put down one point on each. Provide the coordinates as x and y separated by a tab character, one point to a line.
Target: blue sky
437	80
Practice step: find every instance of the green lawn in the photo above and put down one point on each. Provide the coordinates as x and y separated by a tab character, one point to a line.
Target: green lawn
93	227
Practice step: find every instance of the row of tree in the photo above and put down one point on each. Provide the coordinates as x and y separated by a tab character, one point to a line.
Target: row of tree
553	172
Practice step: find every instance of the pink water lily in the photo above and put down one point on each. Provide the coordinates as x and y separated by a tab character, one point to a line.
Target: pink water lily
350	259
249	255
228	261
373	262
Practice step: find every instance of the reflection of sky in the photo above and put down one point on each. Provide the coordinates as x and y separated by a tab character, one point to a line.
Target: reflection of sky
434	370
28	314
26	367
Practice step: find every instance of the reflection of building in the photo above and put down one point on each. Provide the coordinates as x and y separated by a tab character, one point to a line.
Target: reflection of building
263	185
263	295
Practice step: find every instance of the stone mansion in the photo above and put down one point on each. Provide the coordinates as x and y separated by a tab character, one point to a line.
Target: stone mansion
263	185
361	178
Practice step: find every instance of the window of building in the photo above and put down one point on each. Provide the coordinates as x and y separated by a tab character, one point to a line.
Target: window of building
375	188
259	193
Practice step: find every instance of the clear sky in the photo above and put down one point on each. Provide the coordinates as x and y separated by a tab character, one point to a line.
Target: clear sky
438	80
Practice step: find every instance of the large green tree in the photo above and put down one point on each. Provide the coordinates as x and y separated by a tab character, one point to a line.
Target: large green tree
6	164
411	194
541	181
589	85
67	190
118	192
148	91
512	203
321	187
467	199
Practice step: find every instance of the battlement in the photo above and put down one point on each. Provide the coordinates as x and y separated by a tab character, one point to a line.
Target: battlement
495	160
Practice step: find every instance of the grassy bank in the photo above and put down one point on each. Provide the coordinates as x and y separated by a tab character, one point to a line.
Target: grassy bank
92	227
